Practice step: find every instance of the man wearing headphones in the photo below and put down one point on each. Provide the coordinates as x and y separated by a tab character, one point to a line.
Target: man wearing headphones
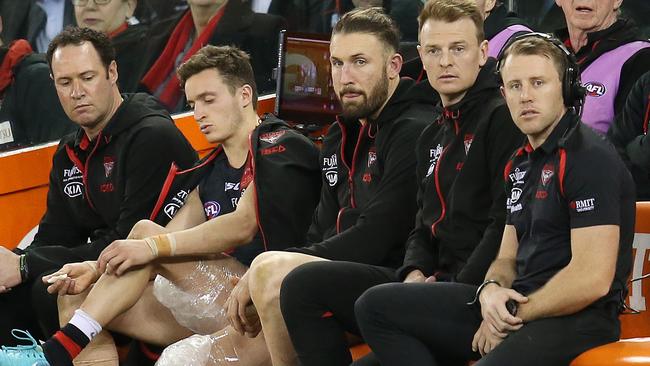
557	284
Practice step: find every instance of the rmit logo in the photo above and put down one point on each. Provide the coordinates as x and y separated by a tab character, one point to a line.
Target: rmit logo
583	205
595	89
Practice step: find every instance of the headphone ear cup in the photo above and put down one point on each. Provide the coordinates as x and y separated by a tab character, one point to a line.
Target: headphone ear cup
567	86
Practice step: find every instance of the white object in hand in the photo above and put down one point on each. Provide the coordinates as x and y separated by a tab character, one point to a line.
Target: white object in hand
59	277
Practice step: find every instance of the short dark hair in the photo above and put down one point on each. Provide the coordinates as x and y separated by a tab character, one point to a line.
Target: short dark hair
452	10
233	65
372	21
72	35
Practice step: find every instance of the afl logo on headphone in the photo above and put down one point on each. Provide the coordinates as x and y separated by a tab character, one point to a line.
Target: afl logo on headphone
595	89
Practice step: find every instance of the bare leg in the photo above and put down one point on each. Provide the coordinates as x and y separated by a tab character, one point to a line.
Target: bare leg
104	352
267	272
135	311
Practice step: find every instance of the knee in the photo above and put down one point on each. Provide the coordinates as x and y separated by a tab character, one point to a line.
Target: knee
143	229
265	278
369	306
296	287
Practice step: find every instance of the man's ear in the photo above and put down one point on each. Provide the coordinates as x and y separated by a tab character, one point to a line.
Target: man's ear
394	66
483	52
112	72
503	91
246	95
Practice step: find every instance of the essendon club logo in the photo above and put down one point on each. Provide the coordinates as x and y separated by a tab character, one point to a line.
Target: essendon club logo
271	137
547	174
468	142
109	164
595	89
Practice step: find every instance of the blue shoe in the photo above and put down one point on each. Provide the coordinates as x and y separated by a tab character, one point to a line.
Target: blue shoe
31	355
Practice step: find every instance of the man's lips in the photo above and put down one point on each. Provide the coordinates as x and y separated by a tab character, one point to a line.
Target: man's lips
204	127
91	21
447	77
583	9
81	106
529	112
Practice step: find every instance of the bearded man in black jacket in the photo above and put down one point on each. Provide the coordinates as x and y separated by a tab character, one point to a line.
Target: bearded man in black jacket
461	212
367	203
104	178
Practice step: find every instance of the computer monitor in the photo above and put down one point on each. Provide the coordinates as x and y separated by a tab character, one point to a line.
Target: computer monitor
304	90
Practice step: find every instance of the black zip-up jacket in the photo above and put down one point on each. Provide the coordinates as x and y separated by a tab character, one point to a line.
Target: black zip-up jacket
622	32
287	182
629	135
367	203
99	189
461	196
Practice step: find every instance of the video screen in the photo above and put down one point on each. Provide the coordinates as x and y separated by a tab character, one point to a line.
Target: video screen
304	90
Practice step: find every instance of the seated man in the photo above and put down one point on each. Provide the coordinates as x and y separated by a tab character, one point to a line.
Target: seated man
629	134
460	160
239	184
611	55
367	205
216	22
104	178
556	287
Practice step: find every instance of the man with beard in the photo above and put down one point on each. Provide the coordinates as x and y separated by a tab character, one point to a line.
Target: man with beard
367	204
460	159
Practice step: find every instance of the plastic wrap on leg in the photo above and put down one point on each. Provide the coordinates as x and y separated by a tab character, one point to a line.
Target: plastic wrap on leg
201	350
197	301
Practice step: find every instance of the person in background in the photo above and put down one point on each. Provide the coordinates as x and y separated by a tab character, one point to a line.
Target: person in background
216	22
112	17
24	78
36	21
628	134
611	55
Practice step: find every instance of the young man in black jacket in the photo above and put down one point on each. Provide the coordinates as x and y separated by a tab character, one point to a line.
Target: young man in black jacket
559	280
461	211
104	178
233	206
629	135
367	204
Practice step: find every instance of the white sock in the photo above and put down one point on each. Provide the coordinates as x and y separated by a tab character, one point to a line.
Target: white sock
86	324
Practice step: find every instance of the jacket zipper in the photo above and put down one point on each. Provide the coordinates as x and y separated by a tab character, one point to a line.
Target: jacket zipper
436	179
350	169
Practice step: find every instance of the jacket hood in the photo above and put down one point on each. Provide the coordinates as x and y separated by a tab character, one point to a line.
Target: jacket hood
486	82
132	111
408	92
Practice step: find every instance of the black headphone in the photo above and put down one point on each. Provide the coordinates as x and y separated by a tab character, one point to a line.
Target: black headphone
573	92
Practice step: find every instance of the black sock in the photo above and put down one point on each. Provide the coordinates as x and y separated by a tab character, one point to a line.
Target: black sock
65	345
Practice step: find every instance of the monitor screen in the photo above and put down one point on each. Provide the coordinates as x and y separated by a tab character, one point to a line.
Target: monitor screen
304	92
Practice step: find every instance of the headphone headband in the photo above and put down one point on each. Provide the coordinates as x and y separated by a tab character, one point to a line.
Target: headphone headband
573	92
